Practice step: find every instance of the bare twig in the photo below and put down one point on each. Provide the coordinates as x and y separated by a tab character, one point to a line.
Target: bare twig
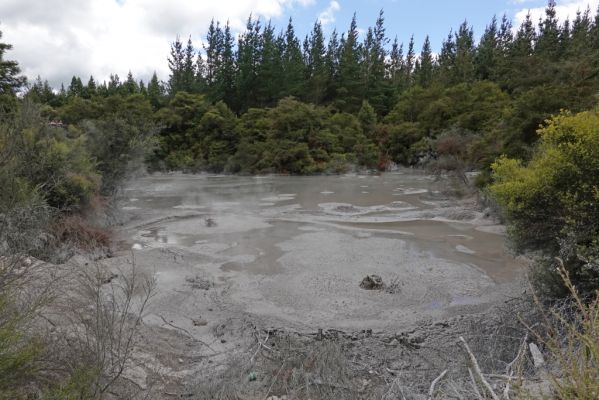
474	385
431	391
510	368
186	332
275	379
477	370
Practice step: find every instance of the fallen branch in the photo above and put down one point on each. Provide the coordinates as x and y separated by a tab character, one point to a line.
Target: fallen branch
431	391
186	332
477	370
474	385
275	379
260	345
509	369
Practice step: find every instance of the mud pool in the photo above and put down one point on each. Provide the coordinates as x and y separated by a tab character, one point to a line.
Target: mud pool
293	250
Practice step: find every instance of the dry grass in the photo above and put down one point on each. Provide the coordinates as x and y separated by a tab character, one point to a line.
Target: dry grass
569	335
76	231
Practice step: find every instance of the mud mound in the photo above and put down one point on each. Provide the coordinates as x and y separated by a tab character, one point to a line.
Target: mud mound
372	282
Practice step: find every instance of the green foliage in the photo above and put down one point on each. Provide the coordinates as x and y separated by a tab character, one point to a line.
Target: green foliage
299	138
49	158
219	137
17	352
79	385
10	79
500	88
552	203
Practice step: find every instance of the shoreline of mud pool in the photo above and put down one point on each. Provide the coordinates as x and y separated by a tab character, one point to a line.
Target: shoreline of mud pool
233	256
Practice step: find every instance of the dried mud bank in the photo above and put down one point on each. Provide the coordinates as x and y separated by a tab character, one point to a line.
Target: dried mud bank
259	291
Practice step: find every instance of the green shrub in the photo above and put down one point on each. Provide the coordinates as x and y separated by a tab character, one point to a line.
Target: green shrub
552	203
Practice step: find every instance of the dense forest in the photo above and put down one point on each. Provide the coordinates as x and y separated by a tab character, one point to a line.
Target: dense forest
275	103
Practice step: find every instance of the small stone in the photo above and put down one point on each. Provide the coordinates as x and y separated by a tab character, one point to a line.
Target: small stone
180	360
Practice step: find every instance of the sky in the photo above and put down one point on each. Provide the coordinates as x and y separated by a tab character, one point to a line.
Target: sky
57	39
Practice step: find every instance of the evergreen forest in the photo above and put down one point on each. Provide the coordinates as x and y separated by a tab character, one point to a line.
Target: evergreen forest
274	102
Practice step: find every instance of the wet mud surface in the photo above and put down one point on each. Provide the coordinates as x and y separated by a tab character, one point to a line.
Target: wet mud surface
296	248
281	252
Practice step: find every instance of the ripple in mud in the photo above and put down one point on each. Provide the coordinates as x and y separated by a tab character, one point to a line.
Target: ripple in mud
279	197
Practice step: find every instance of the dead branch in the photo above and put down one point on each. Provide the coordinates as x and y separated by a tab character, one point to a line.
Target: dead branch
509	370
477	370
431	391
185	331
474	385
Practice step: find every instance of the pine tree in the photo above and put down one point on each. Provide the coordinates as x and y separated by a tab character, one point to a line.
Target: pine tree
130	85
350	91
464	55
410	63
293	63
41	92
176	63
226	72
396	65
92	89
374	60
189	73
581	32
142	88
446	59
114	84
594	34
76	87
523	45
332	66
155	92
487	52
213	48
270	81
10	79
424	74
316	65
248	56
547	44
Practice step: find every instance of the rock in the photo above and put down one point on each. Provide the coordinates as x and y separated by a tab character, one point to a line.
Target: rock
537	356
372	282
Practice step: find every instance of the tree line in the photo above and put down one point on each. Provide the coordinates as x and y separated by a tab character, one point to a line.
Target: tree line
466	105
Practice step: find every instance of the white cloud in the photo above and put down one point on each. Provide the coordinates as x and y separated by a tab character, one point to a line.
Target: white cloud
327	16
565	9
60	38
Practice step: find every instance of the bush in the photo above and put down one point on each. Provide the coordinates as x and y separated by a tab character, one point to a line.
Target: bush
552	204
